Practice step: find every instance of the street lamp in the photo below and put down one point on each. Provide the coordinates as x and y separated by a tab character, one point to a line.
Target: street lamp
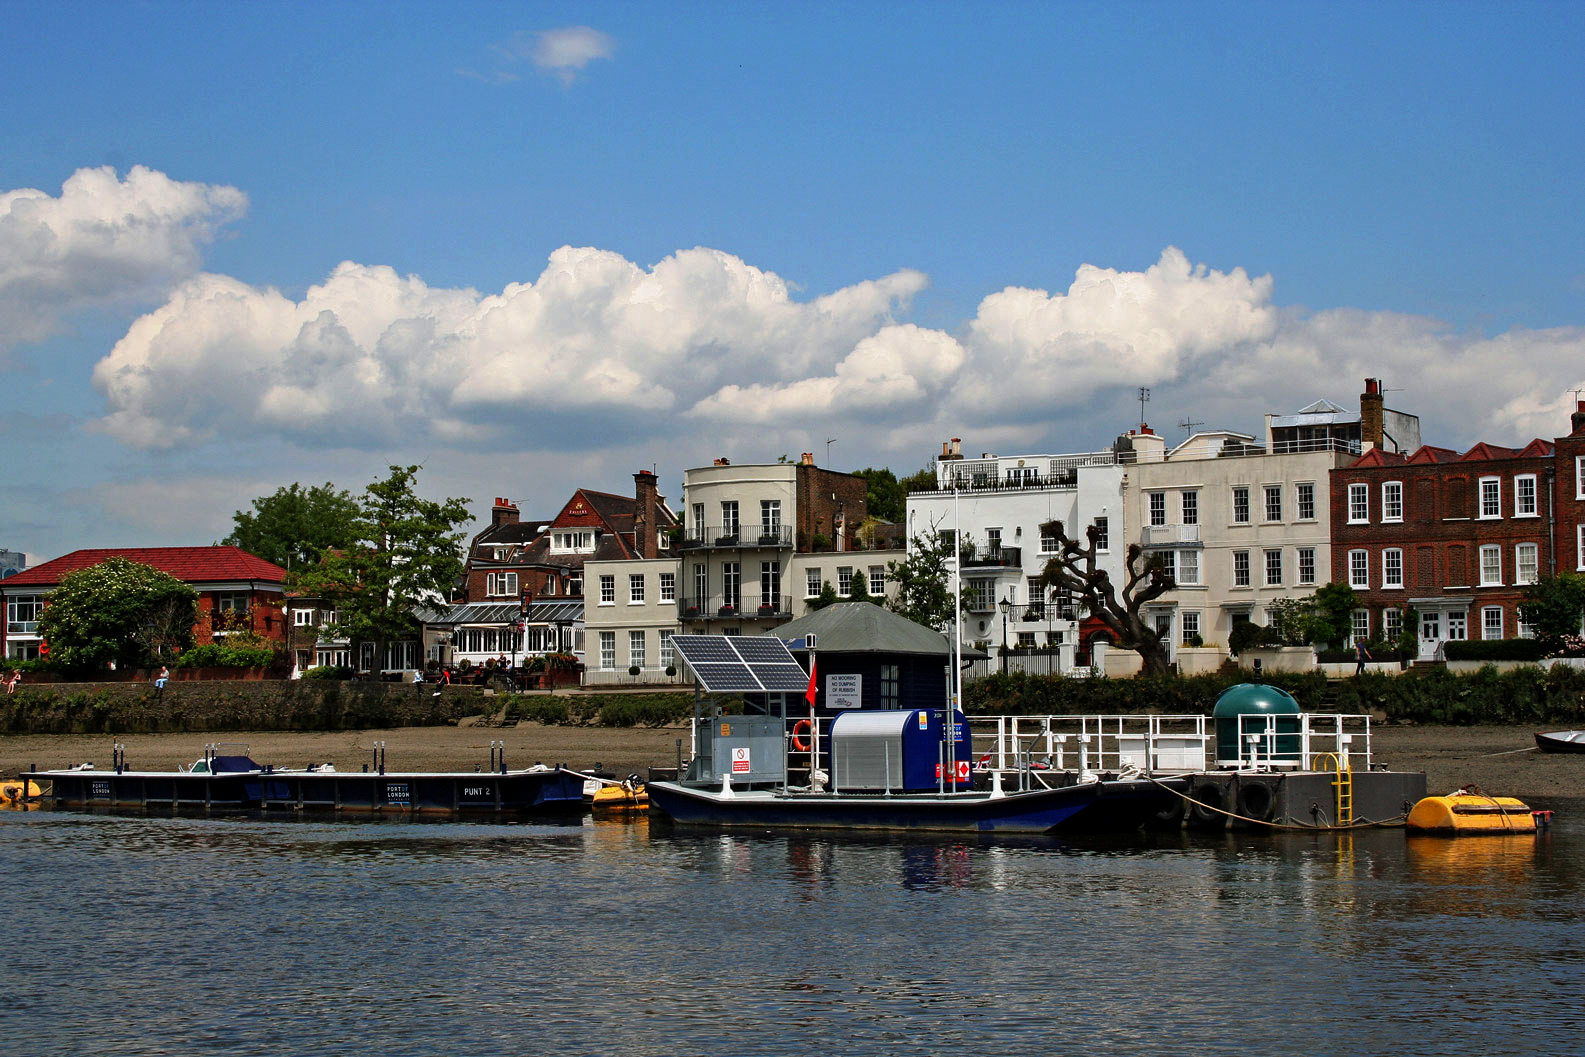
1007	606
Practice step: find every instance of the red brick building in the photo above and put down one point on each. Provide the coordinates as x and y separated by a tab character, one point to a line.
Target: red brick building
236	591
1455	537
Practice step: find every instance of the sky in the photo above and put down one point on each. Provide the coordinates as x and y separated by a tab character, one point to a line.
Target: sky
536	247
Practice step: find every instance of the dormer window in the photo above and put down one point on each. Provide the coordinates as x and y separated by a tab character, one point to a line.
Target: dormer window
572	541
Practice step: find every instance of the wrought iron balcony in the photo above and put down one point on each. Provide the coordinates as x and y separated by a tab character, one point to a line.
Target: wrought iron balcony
740	536
1000	557
740	607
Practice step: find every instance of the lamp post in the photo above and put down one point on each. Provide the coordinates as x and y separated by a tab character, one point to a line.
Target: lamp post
1006	606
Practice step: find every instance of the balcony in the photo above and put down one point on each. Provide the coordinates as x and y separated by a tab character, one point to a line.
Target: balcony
1169	535
1042	613
737	537
743	607
1001	557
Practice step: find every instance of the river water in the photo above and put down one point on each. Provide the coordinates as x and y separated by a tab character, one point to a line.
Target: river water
137	934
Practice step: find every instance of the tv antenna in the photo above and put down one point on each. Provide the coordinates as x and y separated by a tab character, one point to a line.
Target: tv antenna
1144	395
1188	425
830	442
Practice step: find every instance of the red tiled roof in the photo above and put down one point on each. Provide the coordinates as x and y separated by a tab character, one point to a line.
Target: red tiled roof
190	564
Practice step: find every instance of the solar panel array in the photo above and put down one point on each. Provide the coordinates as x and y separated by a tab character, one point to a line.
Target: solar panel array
741	663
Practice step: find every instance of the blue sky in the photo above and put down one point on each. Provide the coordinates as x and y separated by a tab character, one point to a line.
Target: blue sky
542	246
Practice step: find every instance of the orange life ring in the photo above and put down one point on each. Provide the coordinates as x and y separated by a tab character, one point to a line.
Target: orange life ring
800	728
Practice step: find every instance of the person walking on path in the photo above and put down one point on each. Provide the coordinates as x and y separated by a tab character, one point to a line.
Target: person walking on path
1361	655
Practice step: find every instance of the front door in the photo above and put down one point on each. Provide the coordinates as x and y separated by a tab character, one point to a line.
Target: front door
1430	635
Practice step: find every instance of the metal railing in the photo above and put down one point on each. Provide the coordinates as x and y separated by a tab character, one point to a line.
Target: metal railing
736	536
1269	742
1159	744
738	607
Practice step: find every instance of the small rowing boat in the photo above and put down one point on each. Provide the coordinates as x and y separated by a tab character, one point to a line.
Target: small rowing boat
1561	741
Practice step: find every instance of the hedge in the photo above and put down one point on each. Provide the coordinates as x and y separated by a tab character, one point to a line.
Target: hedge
1494	650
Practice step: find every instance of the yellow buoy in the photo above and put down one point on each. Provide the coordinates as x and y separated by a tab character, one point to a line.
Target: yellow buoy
11	792
610	797
1471	813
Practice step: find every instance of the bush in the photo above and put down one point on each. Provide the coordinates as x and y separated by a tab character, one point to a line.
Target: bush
1495	650
219	655
328	671
1246	634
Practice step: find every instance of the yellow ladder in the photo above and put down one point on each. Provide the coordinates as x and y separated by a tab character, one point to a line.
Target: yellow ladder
1342	784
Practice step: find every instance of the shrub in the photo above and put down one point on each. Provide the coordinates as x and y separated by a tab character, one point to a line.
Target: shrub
1495	650
328	671
219	655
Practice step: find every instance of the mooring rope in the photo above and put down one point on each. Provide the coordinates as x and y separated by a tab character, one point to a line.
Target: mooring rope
1365	824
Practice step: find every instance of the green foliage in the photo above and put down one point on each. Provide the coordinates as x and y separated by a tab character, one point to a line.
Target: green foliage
1494	650
561	662
858	587
328	671
1553	606
883	493
1022	694
120	611
1331	621
403	553
226	655
1247	634
1290	622
296	526
827	597
919	481
924	591
606	710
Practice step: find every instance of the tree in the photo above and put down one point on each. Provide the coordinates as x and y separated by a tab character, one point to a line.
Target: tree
404	553
858	589
296	526
1074	571
118	610
920	481
923	579
1553	606
1331	618
827	597
883	495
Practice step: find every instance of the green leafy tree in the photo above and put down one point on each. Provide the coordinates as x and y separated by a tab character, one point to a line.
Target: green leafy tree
827	597
118	610
1331	618
1075	571
404	553
924	582
858	589
919	481
883	493
1553	606
296	526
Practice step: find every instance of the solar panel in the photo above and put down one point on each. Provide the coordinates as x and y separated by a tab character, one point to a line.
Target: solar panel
741	663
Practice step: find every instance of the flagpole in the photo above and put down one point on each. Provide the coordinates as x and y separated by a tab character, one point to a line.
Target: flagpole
957	635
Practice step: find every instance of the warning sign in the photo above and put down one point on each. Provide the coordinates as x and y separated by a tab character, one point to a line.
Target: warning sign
962	770
740	763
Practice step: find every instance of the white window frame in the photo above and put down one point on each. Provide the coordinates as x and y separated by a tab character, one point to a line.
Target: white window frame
1490	557
1272	495
636	648
1304	500
1390	581
1241	569
1169	563
1488	625
1306	564
1189	504
635	589
1579	546
1526	555
1579	477
1391	623
1457	627
668	653
1241	504
668	587
1391	501
608	589
1488	488
877	580
812	582
1103	535
1525	500
844	580
1359	569
1156	504
1359	625
1188	625
608	650
1188	569
303	618
1048	542
1273	564
1359	504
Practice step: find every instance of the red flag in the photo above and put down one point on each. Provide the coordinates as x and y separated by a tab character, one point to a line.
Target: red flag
809	694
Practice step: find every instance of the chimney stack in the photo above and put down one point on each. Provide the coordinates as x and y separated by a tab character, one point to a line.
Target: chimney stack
645	491
957	447
808	458
1372	425
503	513
1577	420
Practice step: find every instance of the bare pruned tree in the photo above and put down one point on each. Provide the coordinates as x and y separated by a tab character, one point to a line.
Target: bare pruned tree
1074	570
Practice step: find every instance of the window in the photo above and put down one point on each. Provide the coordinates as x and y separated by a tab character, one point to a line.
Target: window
701	584
1240	568
1273	502
729	523
1490	497
1359	625
982	595
1391	624
1103	539
993	543
1579	545
844	580
1490	565
635	588
500	584
1579	477
1358	504
1491	622
668	655
1524	496
1523	628
635	649
22	613
668	587
1358	569
1307	565
1525	563
235	602
731	585
891	678
1189	624
1392	567
607	650
1169	563
1273	568
1392	501
698	520
770	517
1457	627
1188	567
303	618
607	590
1191	508
1048	542
1306	501
1026	640
811	582
877	580
770	584
1241	505
1158	507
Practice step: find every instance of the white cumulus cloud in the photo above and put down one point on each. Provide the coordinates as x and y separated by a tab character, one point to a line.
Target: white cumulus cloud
565	52
103	241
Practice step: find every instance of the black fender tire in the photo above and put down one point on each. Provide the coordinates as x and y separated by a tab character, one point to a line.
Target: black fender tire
1257	801
1209	802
